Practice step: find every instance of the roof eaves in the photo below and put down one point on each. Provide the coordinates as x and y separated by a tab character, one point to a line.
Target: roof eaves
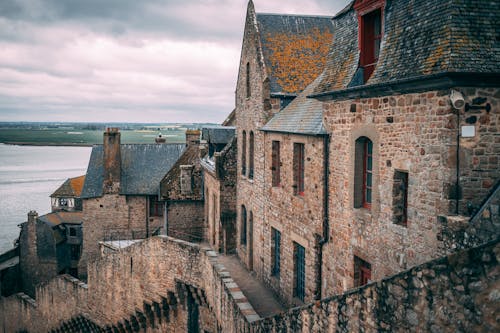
442	80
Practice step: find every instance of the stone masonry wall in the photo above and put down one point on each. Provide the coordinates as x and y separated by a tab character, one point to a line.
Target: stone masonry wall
458	293
415	133
299	218
252	113
112	217
185	220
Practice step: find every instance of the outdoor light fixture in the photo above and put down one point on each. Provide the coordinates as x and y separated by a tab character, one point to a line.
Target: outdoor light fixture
457	99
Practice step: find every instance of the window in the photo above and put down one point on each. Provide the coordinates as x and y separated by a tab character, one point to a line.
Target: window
244	153
248	91
155	206
275	252
276	164
400	198
243	229
298	168
363	173
63	202
370	34
250	156
75	252
299	270
362	272
72	232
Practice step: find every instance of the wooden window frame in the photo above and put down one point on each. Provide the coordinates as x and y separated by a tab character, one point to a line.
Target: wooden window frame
367	171
155	206
299	268
243	229
244	153
362	272
275	252
298	168
251	154
276	164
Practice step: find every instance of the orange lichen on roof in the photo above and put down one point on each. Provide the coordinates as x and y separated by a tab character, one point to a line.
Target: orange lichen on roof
57	218
77	184
296	60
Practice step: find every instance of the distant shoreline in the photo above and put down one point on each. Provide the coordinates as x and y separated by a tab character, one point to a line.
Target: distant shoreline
41	144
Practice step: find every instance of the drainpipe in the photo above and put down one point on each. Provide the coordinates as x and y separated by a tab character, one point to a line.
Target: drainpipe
326	227
457	185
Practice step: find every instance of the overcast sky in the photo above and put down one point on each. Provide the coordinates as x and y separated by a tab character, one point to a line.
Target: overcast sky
126	60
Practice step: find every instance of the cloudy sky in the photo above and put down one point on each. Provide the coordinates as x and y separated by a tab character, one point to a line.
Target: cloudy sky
126	60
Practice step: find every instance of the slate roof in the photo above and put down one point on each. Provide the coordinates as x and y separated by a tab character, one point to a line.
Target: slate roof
142	168
56	218
421	38
294	49
218	134
302	116
72	188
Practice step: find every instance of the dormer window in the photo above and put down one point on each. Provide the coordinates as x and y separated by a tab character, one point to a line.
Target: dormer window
370	34
63	202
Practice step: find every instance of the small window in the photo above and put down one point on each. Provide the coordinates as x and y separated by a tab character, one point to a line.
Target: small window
244	153
362	272
298	168
72	232
243	229
363	173
63	202
371	35
248	91
276	164
299	271
400	198
275	252
155	206
250	156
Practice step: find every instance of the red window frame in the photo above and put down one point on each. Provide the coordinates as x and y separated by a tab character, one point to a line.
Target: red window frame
368	39
155	206
298	168
367	173
275	165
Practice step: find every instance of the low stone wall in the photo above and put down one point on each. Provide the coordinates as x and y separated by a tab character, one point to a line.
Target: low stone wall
457	293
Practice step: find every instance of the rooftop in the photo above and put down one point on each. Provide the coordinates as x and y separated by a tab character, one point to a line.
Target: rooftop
72	187
57	218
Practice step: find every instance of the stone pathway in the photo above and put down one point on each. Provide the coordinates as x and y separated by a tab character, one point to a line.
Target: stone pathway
261	298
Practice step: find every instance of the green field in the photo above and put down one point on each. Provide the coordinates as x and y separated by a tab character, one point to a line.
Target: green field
82	137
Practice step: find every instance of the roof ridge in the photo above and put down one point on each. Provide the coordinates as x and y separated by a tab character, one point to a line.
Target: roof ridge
296	15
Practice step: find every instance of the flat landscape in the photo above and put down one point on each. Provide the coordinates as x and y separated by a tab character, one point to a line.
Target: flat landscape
81	134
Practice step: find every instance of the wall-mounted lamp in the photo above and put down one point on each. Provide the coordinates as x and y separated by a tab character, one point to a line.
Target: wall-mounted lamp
457	99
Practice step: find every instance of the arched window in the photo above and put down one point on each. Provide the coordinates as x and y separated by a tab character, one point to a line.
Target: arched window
243	228
248	91
244	153
250	156
363	173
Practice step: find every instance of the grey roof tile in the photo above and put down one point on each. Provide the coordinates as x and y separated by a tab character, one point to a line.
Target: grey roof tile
142	168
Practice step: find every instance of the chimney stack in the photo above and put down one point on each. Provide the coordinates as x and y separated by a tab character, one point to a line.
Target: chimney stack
111	160
192	137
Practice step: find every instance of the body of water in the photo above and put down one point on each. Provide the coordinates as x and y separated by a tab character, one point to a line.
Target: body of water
28	176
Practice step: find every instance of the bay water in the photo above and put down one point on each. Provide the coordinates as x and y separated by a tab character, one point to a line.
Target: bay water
28	176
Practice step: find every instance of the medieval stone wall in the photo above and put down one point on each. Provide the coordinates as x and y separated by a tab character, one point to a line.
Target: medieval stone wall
458	293
299	218
113	217
415	133
185	220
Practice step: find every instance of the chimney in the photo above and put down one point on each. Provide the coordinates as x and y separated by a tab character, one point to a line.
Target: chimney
32	216
111	160
192	137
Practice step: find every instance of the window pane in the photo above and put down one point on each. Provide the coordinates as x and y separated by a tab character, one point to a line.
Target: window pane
368	180
368	195
369	162
369	145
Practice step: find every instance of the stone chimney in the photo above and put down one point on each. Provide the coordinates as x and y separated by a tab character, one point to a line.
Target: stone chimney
193	137
32	216
111	160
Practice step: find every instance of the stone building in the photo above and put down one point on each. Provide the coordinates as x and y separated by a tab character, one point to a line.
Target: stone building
219	175
182	194
121	192
281	55
367	189
67	196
